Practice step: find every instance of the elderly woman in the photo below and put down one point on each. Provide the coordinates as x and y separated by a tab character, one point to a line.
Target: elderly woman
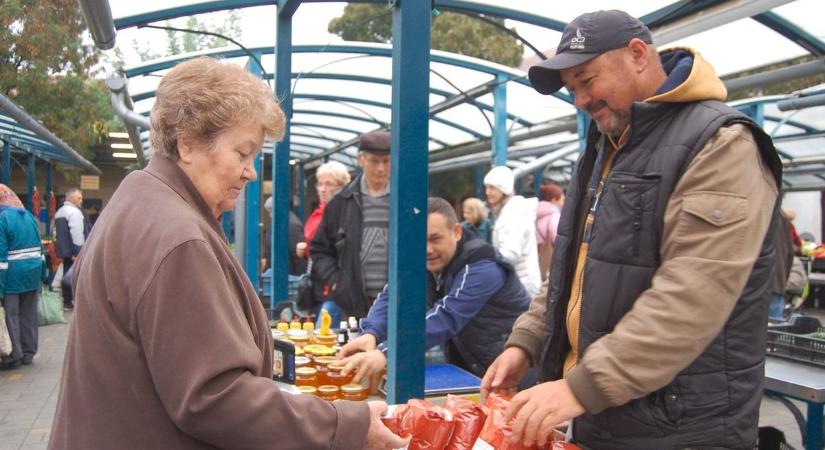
21	266
330	178
170	347
476	218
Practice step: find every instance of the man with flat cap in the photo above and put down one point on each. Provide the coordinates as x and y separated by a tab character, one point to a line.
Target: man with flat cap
350	251
652	332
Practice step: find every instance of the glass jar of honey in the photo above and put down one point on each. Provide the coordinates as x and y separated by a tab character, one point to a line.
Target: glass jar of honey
306	376
324	339
329	392
321	363
353	392
308	390
334	374
301	361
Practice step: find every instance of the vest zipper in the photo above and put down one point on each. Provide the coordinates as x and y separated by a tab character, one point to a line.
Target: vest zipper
637	223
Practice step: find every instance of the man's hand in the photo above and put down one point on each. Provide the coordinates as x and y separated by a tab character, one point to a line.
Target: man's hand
301	249
363	343
364	364
505	372
379	437
539	409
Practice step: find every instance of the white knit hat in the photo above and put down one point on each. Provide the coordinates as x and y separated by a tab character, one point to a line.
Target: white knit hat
501	178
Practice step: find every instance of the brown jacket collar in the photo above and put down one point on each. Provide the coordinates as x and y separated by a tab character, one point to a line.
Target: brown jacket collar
168	172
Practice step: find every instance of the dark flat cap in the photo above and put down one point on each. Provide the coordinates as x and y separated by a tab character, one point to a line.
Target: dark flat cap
375	142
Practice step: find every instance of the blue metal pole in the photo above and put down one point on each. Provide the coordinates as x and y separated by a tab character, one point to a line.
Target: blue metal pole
280	162
408	198
301	178
48	195
6	162
815	431
252	261
582	124
500	140
480	172
30	183
538	179
755	111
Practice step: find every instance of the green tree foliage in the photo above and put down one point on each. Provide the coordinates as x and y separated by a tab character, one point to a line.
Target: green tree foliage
45	68
452	32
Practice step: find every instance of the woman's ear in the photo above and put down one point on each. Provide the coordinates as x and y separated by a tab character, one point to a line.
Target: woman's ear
185	148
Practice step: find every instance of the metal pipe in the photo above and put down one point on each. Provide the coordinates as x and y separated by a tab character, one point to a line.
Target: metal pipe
543	161
122	104
801	102
567	123
27	121
803	161
810	68
99	19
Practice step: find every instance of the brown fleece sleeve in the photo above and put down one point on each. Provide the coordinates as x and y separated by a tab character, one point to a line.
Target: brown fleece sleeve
714	225
529	329
202	357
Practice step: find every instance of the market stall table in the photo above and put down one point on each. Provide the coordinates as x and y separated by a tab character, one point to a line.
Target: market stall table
803	382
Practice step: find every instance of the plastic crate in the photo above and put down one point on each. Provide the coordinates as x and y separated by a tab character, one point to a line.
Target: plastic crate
807	348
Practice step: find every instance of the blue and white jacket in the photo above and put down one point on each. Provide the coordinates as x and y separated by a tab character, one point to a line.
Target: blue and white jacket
472	306
21	254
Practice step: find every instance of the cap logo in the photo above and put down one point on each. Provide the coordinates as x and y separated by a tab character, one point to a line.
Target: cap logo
577	42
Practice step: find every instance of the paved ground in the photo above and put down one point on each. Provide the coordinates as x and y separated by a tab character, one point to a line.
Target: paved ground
28	398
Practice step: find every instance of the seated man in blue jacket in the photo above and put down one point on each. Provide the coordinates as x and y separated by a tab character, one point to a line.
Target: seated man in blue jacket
473	298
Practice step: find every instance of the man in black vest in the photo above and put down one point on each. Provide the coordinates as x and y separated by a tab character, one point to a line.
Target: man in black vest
652	331
473	297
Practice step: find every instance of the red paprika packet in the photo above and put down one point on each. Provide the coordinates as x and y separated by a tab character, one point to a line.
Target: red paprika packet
431	426
496	405
469	418
394	418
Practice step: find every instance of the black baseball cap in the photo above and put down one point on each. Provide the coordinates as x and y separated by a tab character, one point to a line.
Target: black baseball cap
583	39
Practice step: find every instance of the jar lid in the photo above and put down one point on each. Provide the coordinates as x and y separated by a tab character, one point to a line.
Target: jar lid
277	334
336	366
306	371
328	389
323	360
319	350
299	339
301	361
308	390
353	388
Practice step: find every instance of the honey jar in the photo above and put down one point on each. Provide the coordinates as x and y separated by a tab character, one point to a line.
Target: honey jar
301	361
353	392
306	376
334	374
324	339
329	392
308	390
321	363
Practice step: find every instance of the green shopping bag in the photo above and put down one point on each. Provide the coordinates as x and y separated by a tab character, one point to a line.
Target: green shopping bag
49	309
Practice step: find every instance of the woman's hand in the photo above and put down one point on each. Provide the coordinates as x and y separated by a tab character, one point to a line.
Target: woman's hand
363	343
301	249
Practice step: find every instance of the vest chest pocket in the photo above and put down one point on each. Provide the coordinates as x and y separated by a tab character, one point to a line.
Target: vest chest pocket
626	219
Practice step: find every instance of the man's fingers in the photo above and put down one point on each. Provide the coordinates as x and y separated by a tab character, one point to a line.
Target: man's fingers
523	414
545	429
515	405
396	441
487	381
532	425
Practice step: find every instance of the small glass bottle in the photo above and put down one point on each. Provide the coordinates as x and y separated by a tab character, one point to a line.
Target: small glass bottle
282	326
295	324
353	392
343	333
309	324
306	376
329	392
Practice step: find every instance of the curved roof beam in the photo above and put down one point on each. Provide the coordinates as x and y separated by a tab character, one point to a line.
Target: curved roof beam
801	37
368	79
339	115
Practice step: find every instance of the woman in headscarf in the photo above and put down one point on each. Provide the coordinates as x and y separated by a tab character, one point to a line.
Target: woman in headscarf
171	347
21	268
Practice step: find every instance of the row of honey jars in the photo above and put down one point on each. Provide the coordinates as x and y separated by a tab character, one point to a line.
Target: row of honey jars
351	392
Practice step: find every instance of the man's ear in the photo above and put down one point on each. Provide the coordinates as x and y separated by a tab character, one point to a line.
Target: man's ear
639	52
458	230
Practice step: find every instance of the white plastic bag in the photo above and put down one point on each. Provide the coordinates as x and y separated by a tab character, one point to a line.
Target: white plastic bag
5	339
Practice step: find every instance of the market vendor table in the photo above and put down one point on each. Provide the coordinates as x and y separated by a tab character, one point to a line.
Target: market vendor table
803	382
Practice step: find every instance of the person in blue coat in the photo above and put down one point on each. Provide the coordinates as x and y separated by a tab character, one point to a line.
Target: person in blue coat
21	266
473	297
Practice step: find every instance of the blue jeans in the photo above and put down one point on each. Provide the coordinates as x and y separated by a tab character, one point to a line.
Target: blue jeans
777	310
334	311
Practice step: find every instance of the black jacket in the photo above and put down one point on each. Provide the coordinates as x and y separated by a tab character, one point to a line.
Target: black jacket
336	251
